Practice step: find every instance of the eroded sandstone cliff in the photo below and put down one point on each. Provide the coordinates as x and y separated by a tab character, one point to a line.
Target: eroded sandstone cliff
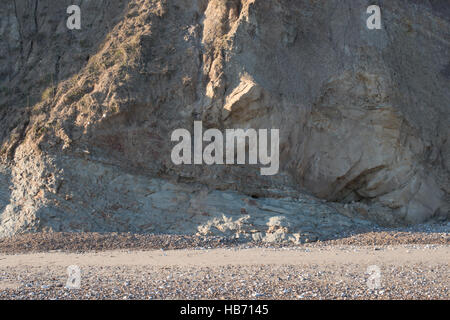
86	115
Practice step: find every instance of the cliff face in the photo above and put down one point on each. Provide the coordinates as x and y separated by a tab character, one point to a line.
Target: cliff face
86	115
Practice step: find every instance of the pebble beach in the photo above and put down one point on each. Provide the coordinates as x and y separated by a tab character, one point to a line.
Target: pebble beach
411	265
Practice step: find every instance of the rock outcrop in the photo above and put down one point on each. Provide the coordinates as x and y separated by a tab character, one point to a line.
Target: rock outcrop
86	115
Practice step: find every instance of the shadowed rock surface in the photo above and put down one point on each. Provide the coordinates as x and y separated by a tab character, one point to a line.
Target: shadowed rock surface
86	116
